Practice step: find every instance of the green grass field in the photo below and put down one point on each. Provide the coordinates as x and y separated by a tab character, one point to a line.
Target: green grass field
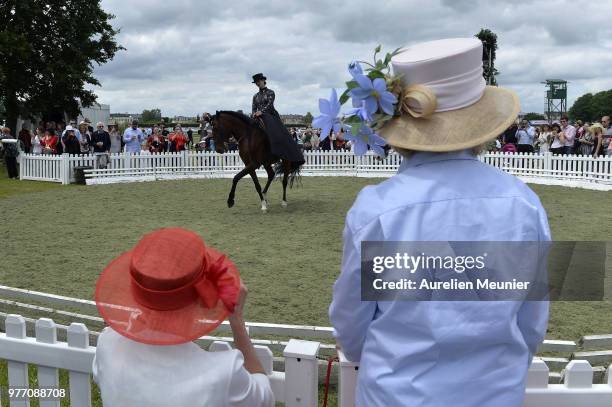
57	239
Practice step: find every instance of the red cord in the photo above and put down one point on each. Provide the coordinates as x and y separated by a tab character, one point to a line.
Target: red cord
330	360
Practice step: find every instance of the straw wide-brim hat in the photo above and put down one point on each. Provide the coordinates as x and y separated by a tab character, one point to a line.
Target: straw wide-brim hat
595	127
448	106
169	289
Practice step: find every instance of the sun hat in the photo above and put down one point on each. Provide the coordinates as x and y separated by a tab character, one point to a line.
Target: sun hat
69	128
445	103
169	289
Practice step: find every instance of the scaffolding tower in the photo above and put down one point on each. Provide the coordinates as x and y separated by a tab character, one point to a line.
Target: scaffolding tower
556	99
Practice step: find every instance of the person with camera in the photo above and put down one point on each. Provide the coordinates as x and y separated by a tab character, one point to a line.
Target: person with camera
525	136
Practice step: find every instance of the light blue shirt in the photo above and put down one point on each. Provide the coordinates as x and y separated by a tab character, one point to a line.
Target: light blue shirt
525	136
433	354
133	139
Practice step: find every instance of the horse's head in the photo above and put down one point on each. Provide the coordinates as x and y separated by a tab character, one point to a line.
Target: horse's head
220	133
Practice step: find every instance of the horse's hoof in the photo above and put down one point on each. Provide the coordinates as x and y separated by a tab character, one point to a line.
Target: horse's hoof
264	206
284	204
230	203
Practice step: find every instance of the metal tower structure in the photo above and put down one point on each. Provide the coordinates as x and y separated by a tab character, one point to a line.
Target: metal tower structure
556	99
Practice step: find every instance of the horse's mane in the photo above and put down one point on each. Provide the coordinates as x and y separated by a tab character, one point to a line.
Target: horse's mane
240	116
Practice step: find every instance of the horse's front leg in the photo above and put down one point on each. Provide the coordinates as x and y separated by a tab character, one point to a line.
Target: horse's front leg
237	177
264	204
270	172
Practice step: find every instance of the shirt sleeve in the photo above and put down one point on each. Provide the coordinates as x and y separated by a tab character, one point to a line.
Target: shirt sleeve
249	390
532	316
350	316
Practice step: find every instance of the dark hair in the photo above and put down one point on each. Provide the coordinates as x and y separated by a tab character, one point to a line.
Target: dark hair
564	117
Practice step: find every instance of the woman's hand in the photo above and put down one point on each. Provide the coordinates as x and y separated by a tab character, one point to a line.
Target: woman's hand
238	314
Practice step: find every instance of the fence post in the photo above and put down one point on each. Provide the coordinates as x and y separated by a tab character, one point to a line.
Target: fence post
46	332
347	381
80	386
15	327
301	373
65	169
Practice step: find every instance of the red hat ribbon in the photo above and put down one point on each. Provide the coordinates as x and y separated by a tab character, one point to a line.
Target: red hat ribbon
219	282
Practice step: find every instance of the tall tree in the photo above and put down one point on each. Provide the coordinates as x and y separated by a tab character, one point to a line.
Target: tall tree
151	115
489	53
308	118
534	116
48	49
590	107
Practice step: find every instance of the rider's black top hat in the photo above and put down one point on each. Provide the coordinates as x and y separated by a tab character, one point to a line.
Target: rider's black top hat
258	76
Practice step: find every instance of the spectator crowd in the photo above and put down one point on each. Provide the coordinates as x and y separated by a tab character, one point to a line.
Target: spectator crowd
580	138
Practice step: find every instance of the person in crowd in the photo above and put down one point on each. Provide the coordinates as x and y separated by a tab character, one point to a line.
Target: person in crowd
580	132
133	138
597	131
190	137
36	141
49	142
525	136
326	144
307	139
100	140
59	131
115	139
510	134
544	139
71	142
178	139
315	140
509	148
233	144
11	149
85	141
607	134
557	146
434	353
585	140
340	142
130	371
567	135
294	134
75	130
25	136
156	142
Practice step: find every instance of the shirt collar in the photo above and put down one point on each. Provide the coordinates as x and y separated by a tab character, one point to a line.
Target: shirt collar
425	157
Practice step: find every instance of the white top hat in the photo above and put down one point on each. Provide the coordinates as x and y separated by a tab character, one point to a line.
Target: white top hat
446	103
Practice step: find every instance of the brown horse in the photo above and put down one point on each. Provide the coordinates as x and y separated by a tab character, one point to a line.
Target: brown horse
254	149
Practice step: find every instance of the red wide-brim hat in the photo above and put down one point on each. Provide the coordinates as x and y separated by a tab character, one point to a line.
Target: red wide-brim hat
169	289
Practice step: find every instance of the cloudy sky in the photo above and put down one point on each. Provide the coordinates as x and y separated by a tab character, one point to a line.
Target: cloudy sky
190	56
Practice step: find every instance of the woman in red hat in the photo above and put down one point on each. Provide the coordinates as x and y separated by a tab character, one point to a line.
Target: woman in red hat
157	298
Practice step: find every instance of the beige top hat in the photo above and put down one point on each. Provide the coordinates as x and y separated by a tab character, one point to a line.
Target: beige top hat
446	101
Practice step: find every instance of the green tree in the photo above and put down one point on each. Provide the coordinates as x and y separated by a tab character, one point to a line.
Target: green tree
590	107
308	118
153	115
489	53
48	49
534	116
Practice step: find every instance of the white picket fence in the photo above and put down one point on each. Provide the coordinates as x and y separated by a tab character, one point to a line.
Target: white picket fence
192	164
295	376
297	386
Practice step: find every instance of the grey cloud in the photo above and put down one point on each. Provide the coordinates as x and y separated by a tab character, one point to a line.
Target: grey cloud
187	56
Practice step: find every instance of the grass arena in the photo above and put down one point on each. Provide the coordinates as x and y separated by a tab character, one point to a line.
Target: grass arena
57	239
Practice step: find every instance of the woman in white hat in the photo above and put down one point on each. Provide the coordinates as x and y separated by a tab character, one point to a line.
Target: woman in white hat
441	353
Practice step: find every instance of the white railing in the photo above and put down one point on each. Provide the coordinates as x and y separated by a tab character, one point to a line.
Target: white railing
298	385
191	164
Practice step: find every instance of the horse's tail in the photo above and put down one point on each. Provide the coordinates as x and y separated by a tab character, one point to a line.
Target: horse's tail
294	172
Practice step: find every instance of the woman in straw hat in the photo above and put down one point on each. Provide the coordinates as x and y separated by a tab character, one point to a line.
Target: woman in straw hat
157	298
440	353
